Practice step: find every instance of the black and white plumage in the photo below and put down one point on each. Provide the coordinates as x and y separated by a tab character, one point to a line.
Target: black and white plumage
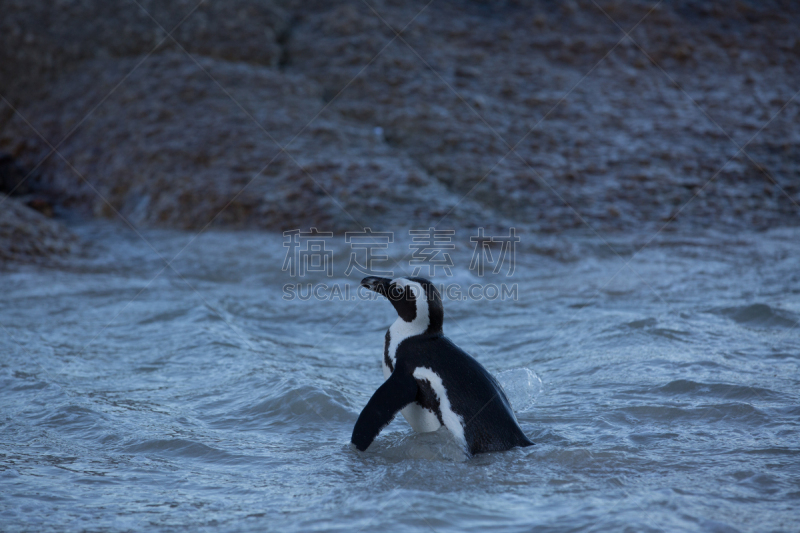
432	381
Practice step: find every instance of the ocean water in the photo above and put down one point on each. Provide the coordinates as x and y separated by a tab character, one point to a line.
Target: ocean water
660	388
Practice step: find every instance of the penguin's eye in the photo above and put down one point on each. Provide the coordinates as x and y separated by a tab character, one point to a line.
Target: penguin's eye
395	292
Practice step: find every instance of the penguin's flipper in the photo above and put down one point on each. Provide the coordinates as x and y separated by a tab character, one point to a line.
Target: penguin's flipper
395	393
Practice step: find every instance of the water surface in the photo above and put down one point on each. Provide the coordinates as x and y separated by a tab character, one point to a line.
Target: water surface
136	396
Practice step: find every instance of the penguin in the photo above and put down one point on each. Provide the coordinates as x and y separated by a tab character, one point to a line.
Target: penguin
431	381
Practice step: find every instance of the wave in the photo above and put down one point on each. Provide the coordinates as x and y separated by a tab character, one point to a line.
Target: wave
177	447
648	326
720	390
760	316
732	411
285	404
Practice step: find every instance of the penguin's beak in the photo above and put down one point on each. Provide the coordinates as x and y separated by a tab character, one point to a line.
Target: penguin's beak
379	285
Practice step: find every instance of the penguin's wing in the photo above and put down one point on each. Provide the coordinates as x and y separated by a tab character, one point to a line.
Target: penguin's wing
395	393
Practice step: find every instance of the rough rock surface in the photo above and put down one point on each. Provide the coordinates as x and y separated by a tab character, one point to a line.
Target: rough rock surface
26	235
608	131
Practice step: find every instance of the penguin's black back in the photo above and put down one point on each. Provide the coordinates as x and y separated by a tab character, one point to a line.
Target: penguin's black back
474	394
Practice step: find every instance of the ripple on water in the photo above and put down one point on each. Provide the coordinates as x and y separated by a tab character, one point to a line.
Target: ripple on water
76	419
720	390
285	404
177	448
760	316
29	382
648	326
734	411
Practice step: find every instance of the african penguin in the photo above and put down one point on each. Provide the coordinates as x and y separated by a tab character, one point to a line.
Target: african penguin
432	381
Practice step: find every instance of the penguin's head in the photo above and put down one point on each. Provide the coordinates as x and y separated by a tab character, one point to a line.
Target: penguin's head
416	301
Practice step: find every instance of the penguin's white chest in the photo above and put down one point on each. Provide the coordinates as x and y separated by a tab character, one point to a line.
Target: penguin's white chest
422	420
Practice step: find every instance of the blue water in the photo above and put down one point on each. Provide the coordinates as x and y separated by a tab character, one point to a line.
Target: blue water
662	395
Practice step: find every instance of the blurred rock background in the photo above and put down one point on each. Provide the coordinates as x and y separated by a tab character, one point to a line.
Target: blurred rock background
289	114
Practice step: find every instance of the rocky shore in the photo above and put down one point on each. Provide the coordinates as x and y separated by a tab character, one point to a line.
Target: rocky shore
282	114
